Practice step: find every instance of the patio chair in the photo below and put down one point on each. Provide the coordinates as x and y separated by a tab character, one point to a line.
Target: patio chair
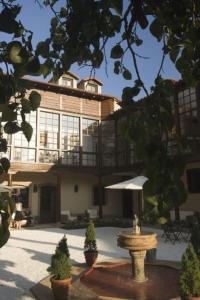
171	232
92	213
66	216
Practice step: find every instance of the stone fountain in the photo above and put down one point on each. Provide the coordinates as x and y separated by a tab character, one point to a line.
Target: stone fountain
137	243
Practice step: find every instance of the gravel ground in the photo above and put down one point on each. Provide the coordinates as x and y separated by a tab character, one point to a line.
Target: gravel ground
26	256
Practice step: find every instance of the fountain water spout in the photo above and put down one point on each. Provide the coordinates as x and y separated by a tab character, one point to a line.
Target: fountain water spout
136	227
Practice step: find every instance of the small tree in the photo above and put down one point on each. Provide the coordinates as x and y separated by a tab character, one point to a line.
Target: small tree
60	266
189	283
63	246
60	262
195	238
90	238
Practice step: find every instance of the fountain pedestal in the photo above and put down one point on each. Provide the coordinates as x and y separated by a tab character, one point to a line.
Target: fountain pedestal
138	265
137	244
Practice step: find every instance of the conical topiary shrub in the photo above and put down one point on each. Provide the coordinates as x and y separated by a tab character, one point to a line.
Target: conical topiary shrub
63	246
60	270
195	236
189	283
90	246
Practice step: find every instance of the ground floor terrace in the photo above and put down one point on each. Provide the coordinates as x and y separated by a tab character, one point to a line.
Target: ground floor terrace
25	258
47	192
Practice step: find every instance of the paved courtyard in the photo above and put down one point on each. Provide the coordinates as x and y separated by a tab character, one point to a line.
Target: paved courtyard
26	256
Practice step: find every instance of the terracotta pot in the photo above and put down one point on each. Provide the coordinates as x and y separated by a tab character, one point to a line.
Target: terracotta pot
90	258
60	288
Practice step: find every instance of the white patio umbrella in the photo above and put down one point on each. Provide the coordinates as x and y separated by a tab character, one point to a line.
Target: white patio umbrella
135	183
5	189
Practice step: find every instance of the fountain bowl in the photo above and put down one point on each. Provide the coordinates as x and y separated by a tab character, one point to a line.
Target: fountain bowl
137	242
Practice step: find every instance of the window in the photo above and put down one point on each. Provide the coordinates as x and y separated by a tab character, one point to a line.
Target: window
108	142
68	82
193	180
70	133
90	87
49	123
187	105
90	135
19	138
99	195
24	154
48	156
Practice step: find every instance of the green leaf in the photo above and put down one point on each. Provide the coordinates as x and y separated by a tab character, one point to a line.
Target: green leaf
11	127
33	66
127	74
117	5
174	54
162	220
14	49
181	64
54	22
152	200
97	58
45	70
8	114
3	145
117	66
63	12
5	163
35	99
43	49
26	105
130	92
116	52
7	21
138	42
156	29
27	130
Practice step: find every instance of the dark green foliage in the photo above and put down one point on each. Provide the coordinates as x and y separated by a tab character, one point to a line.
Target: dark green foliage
195	235
63	246
6	209
60	262
90	238
189	283
60	266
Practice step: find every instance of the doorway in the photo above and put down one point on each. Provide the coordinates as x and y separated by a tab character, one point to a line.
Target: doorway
127	204
48	197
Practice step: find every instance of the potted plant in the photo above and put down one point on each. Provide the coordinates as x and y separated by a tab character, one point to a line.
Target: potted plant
60	270
90	246
195	236
189	282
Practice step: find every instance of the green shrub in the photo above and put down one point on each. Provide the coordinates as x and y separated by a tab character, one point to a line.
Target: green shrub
195	234
189	282
90	238
63	247
60	262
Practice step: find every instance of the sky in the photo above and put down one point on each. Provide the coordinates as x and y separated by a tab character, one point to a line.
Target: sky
38	19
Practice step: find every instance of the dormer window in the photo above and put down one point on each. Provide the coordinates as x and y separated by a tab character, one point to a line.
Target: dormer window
90	87
68	82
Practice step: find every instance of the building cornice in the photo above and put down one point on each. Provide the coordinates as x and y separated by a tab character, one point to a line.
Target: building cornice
49	86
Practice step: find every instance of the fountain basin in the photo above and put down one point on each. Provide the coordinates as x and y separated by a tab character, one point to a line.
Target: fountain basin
137	242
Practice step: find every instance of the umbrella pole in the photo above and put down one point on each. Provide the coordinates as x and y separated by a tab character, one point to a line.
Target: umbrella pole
140	204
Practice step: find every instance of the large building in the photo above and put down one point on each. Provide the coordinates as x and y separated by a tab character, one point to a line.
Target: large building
77	148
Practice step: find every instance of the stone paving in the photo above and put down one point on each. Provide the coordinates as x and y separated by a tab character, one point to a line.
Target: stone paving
26	256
